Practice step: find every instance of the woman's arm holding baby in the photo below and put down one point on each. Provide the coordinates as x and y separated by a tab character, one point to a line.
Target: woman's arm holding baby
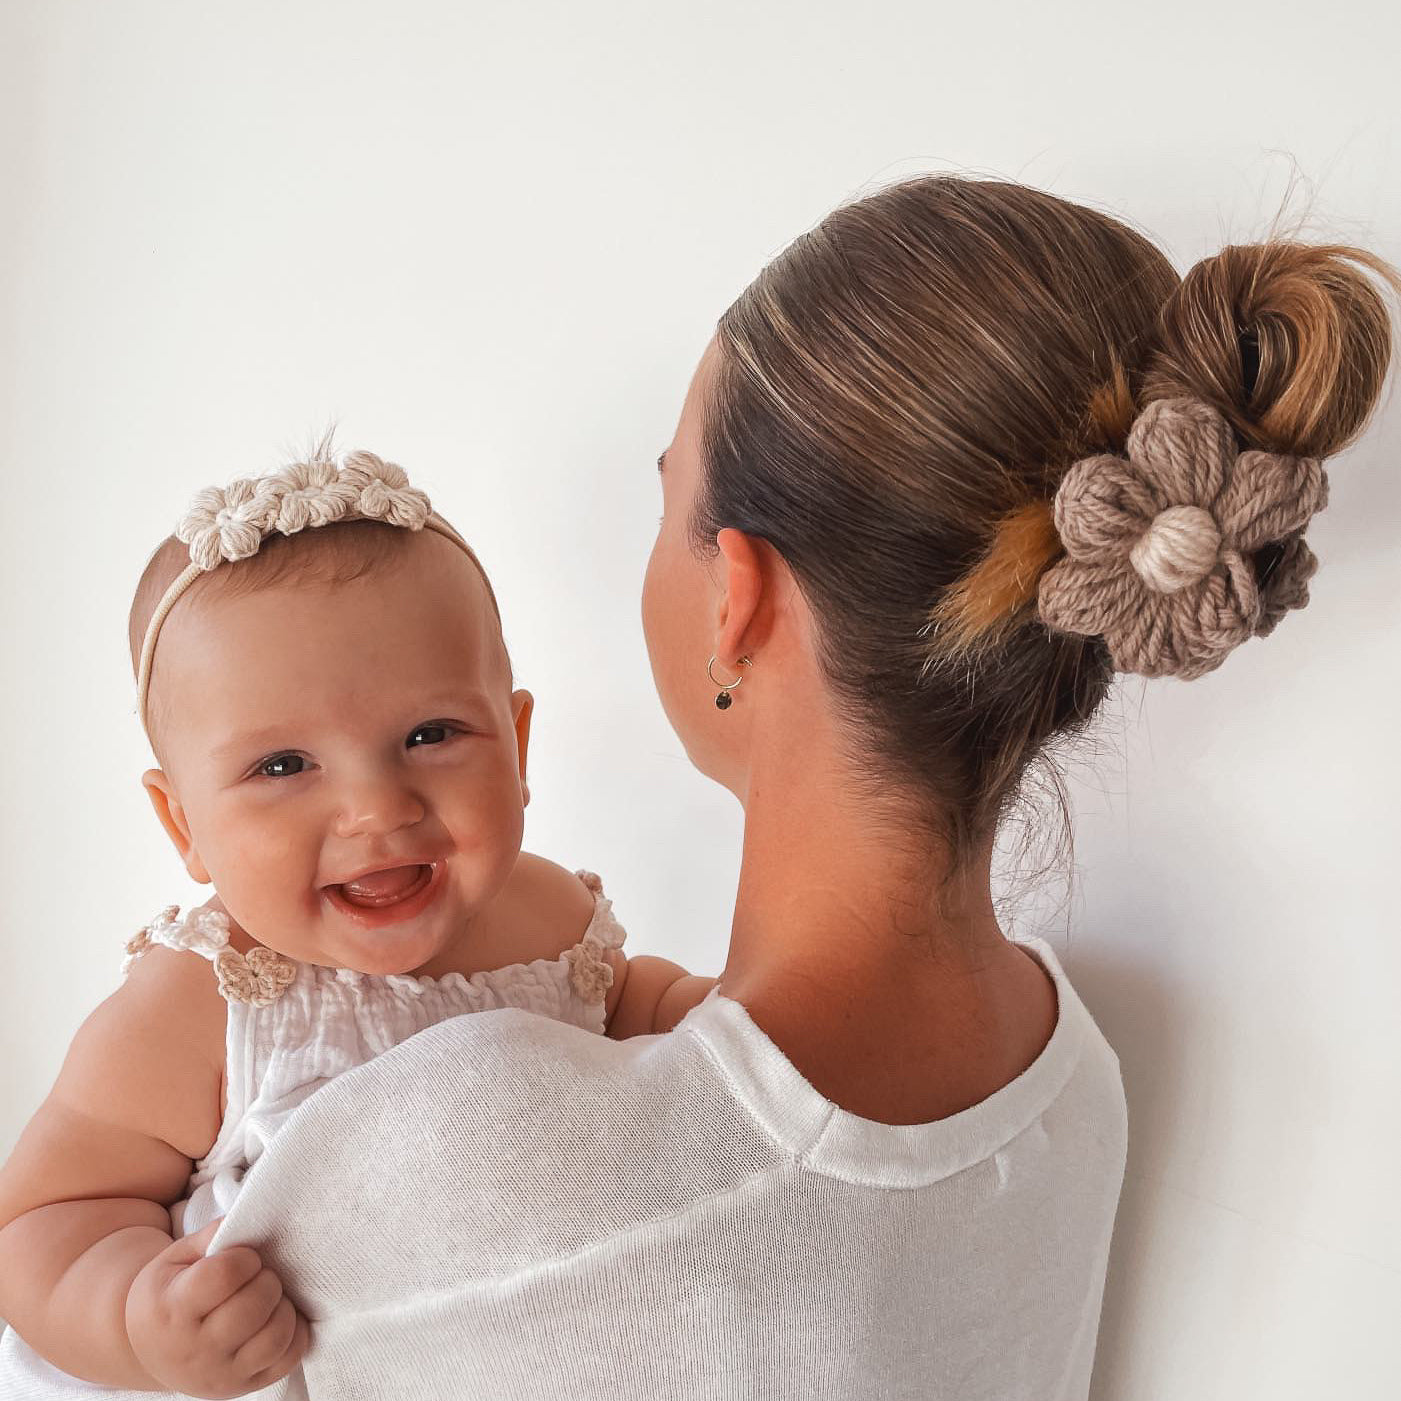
89	1274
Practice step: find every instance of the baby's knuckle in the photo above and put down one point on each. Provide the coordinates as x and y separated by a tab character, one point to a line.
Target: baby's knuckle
266	1348
237	1262
218	1275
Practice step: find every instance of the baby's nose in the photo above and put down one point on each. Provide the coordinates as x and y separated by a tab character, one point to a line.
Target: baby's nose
375	805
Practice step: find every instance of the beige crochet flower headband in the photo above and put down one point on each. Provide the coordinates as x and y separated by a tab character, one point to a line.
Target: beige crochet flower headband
230	523
1159	542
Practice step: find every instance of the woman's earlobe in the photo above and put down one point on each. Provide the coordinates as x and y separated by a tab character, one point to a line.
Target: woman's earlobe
171	815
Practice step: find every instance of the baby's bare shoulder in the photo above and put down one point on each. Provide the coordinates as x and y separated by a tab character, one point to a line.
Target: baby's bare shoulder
546	896
138	1096
151	1056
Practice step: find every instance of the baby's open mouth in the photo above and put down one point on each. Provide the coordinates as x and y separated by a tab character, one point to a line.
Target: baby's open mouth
377	889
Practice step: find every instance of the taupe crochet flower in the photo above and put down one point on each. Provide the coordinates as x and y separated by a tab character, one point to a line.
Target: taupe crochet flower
258	977
590	973
311	494
1159	542
385	493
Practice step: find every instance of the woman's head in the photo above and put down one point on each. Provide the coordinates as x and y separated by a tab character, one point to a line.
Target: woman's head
891	407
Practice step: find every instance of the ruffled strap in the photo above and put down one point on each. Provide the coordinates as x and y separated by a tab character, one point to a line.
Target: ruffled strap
590	973
258	977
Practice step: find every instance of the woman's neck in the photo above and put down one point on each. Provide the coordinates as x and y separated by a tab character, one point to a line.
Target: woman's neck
829	892
894	1008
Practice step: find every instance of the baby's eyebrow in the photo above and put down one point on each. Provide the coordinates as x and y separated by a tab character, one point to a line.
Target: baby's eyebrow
469	703
254	739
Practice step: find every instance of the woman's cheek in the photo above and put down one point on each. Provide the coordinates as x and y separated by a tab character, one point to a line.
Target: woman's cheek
661	623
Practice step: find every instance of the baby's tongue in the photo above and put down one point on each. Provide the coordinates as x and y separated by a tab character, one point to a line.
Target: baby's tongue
382	887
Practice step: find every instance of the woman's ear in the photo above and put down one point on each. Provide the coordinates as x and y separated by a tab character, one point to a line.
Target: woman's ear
523	707
171	815
747	570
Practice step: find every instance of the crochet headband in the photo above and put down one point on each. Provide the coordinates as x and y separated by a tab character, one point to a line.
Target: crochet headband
230	523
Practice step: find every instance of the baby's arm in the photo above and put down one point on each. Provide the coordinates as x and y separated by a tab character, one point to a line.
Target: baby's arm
89	1275
650	994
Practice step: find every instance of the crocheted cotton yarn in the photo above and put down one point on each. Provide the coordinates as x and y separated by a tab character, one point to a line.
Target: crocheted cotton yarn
226	524
1158	542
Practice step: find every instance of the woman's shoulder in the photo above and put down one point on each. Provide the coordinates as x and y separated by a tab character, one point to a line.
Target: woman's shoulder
517	1138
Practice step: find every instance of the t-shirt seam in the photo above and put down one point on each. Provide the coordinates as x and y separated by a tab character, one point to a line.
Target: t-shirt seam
800	1155
804	1156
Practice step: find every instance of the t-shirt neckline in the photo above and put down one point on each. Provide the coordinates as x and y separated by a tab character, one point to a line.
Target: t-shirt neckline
833	1141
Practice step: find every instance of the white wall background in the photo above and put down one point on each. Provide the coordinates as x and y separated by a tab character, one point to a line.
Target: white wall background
491	240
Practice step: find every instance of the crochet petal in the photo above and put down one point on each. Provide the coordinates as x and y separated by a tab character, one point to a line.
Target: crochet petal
1269	497
1288	587
1183	448
206	546
1082	598
1102	506
204	506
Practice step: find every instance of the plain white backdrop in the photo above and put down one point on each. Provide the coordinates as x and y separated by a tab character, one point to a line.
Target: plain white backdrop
490	242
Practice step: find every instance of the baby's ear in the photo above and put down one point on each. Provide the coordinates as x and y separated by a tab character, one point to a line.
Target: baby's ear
523	707
171	815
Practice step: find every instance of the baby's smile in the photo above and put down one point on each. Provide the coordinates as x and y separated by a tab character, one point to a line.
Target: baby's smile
387	894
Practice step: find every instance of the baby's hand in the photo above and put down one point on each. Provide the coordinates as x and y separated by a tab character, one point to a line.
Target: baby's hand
212	1325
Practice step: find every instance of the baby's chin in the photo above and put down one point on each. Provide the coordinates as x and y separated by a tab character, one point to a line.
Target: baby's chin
387	948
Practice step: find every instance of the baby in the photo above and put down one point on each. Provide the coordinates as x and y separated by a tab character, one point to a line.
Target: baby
342	756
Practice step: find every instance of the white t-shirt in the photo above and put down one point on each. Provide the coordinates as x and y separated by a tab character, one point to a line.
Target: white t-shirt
509	1207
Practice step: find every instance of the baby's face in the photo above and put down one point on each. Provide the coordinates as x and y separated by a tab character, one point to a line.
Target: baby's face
347	764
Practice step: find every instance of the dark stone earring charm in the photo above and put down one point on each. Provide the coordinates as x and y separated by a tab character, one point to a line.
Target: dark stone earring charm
724	700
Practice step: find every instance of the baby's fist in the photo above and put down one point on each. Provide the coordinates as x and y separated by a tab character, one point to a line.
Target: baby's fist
212	1325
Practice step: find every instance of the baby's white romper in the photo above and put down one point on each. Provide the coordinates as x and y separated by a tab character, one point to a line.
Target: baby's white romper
293	1027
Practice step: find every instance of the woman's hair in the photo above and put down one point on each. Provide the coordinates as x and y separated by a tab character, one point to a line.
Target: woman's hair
897	398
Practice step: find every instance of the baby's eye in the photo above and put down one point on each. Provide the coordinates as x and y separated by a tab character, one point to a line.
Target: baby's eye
282	766
429	734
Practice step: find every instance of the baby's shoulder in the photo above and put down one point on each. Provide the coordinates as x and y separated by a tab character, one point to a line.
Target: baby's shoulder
151	1055
545	907
170	1001
547	885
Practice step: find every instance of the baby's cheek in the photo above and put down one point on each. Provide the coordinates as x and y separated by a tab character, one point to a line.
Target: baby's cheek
488	818
268	880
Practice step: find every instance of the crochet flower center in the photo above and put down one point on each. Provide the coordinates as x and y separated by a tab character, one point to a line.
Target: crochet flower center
1179	547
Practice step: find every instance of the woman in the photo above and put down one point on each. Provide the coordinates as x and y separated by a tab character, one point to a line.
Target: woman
955	458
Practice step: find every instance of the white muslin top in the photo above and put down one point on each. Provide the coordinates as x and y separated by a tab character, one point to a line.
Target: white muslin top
508	1207
292	1029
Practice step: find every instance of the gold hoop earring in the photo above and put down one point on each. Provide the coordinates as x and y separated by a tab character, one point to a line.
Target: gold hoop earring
725	700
